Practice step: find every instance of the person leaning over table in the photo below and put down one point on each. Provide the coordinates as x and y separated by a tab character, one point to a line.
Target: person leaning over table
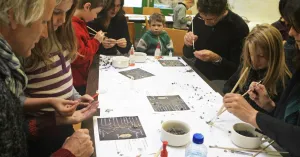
264	57
284	126
14	28
179	14
112	21
218	34
49	75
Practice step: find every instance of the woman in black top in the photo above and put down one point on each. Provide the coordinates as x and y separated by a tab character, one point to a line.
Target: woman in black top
112	20
284	126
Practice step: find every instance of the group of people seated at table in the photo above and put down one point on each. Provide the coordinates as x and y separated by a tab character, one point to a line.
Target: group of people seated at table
48	46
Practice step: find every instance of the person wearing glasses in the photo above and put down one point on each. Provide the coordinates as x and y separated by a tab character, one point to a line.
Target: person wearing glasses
215	39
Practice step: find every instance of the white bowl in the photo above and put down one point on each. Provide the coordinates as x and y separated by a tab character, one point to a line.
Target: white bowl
175	140
245	141
120	62
140	57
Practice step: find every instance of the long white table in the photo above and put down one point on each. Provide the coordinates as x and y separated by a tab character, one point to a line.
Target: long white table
121	96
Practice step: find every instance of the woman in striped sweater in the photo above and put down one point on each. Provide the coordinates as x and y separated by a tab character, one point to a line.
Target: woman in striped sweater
49	75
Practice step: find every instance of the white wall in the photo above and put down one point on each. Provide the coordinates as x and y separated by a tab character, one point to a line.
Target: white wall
257	11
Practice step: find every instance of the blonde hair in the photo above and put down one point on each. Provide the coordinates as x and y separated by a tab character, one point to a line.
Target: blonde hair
25	11
63	39
269	40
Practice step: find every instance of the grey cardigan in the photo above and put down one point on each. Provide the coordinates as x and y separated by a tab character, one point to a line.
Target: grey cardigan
179	17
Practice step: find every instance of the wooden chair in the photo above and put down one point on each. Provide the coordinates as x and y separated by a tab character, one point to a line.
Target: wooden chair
177	37
128	10
131	30
150	10
147	26
189	12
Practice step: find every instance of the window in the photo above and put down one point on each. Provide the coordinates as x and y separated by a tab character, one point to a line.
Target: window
166	4
133	3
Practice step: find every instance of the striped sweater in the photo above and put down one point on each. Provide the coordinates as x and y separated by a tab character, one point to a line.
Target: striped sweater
49	81
55	81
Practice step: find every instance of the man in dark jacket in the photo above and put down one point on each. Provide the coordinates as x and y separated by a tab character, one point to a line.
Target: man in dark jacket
216	39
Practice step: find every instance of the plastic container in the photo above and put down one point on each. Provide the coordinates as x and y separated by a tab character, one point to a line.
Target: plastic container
157	52
131	57
196	148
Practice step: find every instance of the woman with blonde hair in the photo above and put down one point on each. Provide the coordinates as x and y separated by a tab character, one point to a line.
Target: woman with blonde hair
49	75
263	55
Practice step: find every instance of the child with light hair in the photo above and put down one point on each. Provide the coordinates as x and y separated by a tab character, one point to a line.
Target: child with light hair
263	55
149	41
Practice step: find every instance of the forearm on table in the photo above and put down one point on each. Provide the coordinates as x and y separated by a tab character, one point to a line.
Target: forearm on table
35	104
286	135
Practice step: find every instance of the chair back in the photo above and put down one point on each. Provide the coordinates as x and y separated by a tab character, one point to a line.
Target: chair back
177	37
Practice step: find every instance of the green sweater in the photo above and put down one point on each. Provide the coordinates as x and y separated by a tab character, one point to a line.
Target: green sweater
149	41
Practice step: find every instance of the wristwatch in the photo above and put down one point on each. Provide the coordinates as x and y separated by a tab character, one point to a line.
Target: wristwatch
218	62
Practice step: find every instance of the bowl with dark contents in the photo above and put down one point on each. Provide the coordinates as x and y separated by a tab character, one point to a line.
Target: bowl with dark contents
244	135
177	133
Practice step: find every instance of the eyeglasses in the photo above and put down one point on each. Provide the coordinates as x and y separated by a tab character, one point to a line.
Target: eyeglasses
211	19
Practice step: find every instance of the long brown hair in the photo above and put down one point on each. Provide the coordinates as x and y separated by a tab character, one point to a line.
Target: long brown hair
110	4
63	39
268	39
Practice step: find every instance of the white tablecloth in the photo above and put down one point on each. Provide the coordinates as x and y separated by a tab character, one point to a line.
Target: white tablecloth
121	96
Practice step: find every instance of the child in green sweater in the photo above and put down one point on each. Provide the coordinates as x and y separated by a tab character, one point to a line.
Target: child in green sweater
155	35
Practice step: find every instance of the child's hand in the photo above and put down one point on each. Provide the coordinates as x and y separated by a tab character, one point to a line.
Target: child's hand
100	36
79	115
64	107
109	43
258	93
122	42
